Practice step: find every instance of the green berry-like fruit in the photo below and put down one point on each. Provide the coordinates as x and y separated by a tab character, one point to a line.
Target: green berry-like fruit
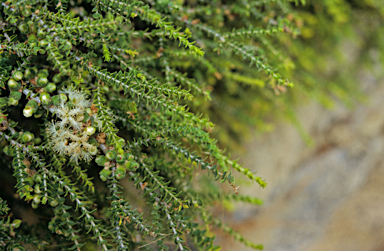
27	137
120	172
30	108
111	154
43	73
45	98
24	28
90	130
63	97
17	75
56	79
43	43
14	97
28	73
32	38
41	81
50	87
120	158
13	84
37	141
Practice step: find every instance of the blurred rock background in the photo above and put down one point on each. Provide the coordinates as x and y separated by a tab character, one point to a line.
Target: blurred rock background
325	197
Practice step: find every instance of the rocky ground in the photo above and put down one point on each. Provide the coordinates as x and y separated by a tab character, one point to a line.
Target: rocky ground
326	197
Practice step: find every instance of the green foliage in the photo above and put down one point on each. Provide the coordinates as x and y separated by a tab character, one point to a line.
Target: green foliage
102	100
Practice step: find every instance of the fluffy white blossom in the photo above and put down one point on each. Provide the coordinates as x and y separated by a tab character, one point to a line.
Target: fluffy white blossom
69	136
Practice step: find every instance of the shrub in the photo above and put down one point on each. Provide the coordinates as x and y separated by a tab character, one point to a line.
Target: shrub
104	95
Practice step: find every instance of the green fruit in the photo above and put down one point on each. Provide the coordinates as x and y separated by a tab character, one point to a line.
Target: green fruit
37	141
56	99
30	108
17	75
34	205
16	223
45	98
50	87
24	28
27	137
43	73
90	130
111	154
41	81
14	97
32	103
63	97
56	78
93	150
13	84
32	38
120	172
120	158
43	43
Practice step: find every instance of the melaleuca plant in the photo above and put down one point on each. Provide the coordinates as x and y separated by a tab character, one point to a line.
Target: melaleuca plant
104	100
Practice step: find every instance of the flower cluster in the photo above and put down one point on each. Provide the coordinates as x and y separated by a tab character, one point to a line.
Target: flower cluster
71	135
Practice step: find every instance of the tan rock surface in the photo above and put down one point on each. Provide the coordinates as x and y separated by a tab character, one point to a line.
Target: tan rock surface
328	197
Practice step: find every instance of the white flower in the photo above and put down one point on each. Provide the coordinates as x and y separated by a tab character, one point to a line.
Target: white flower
68	135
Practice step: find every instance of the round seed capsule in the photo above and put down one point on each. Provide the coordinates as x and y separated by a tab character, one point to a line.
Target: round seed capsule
24	28
90	130
30	108
16	223
43	43
120	142
13	84
14	97
120	172
32	103
17	75
120	158
27	137
63	97
56	99
41	81
37	141
111	154
28	73
45	98
50	87
93	150
43	73
32	38
56	78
